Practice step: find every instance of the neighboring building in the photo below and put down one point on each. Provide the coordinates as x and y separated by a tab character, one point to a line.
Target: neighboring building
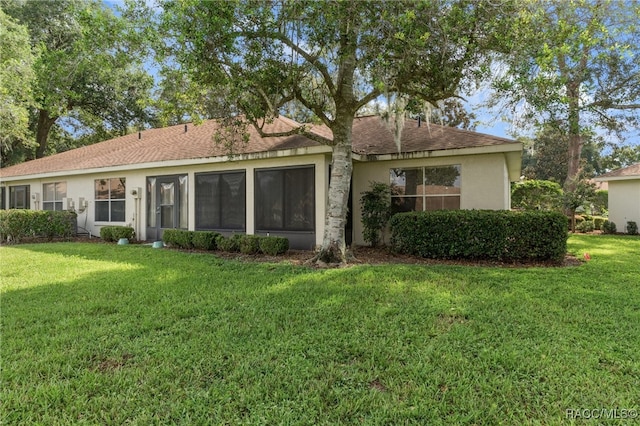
178	177
624	195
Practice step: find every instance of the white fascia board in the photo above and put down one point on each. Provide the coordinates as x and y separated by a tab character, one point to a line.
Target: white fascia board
178	163
615	178
493	149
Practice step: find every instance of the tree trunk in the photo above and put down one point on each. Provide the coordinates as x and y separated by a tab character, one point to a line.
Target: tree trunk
575	139
45	122
333	248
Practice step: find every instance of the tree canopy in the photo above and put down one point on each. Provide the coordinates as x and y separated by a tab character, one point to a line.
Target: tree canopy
575	65
83	69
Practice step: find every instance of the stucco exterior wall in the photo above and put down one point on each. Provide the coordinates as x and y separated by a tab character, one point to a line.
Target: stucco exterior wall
82	186
484	182
624	202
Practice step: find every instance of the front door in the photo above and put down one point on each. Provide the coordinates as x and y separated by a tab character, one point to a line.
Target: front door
167	204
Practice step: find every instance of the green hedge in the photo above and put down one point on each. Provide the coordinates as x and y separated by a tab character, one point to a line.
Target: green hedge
229	244
249	244
114	233
274	245
15	225
481	234
204	240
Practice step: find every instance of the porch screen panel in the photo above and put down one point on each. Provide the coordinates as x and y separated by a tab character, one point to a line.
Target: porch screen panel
151	202
207	196
183	194
269	199
220	200
167	203
299	206
19	197
285	199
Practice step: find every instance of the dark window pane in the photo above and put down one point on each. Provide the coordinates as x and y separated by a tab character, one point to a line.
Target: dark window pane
406	204
117	211
47	206
451	203
102	211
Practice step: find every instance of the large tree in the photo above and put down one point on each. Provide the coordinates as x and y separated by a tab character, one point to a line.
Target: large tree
577	65
83	70
16	96
333	58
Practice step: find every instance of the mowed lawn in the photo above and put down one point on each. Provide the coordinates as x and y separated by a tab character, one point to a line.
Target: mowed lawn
107	334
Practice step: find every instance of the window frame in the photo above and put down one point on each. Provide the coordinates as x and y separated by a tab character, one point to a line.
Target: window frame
220	203
426	197
109	201
55	202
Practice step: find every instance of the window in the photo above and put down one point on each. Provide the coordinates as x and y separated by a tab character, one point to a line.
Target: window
285	199
3	201
110	199
19	197
220	200
54	193
425	188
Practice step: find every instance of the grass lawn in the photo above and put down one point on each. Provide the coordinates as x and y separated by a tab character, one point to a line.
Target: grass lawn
107	334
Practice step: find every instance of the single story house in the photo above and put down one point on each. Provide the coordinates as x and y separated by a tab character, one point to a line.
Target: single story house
624	195
178	177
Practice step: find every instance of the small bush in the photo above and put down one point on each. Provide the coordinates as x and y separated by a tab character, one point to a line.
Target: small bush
598	221
274	246
609	227
632	228
586	226
205	240
376	211
230	244
180	238
481	234
16	225
114	233
249	244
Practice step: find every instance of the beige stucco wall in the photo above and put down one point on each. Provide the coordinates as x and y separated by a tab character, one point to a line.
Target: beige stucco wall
484	182
624	202
82	186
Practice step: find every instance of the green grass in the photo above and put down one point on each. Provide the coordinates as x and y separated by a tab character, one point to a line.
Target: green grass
107	334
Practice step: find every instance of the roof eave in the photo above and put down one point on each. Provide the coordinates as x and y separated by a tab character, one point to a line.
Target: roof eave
292	152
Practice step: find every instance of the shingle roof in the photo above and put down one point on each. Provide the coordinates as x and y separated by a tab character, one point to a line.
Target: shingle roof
371	136
633	170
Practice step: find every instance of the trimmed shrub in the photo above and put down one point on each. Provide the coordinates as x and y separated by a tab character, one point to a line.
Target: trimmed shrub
204	240
249	244
15	225
230	244
114	233
632	228
481	234
274	246
598	221
586	226
376	211
609	227
180	238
